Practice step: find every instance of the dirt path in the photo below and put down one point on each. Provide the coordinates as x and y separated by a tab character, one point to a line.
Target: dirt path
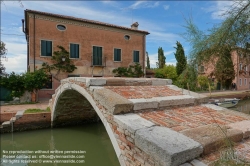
15	108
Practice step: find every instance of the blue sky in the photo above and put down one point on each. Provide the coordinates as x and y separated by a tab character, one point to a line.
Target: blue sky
164	21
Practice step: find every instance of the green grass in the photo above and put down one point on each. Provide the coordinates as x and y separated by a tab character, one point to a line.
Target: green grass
30	111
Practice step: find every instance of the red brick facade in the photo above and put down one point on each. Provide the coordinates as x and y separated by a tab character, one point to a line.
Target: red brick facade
86	33
241	68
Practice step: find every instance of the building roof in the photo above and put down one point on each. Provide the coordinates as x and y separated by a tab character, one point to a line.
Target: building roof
85	20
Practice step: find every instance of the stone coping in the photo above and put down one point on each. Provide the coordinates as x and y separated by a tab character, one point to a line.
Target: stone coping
118	81
168	147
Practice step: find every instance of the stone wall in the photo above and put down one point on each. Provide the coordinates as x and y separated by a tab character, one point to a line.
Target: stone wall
30	122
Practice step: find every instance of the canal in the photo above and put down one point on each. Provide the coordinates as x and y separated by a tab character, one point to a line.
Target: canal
243	106
88	145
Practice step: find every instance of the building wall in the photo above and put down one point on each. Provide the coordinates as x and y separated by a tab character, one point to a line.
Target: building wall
87	35
242	76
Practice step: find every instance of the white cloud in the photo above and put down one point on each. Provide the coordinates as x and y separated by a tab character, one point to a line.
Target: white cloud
166	7
154	58
218	9
17	64
143	4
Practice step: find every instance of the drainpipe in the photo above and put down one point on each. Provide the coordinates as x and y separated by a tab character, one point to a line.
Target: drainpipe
34	46
144	52
27	39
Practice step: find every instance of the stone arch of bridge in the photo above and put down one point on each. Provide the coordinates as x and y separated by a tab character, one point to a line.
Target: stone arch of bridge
60	113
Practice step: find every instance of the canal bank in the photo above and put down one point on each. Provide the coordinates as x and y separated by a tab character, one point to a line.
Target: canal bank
244	94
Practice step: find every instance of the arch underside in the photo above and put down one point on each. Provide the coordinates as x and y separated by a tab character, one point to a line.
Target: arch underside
73	108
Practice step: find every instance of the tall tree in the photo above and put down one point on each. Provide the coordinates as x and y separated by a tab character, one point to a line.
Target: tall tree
181	59
148	61
233	33
3	52
161	58
224	69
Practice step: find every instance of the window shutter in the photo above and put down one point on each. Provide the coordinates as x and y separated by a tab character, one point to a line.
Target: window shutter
43	48
77	51
49	48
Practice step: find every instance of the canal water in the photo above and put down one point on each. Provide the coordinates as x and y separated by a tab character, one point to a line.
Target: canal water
87	145
243	106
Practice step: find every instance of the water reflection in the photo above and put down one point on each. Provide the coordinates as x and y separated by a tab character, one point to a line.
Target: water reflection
91	138
243	106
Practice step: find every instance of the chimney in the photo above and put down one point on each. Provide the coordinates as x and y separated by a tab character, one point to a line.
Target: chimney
23	25
135	25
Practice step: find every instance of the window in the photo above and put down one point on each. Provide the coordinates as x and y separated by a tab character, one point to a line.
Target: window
136	56
73	75
74	51
48	85
46	48
126	37
240	66
201	69
246	68
61	27
97	56
240	82
245	81
117	54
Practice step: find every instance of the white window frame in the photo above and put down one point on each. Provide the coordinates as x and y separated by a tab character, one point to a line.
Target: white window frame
41	48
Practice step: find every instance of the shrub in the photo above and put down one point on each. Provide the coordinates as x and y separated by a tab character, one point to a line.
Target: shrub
131	71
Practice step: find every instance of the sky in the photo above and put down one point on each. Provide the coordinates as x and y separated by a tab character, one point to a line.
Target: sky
164	20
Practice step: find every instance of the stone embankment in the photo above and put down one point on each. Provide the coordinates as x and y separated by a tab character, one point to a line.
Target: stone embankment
21	121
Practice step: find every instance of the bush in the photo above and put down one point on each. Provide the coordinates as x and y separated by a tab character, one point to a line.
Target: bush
168	71
131	71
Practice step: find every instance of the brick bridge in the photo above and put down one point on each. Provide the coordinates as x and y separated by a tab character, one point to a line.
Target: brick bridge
149	121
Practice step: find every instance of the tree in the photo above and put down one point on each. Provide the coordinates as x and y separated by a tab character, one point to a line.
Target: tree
188	78
180	57
61	62
224	70
15	83
161	58
203	82
168	71
233	33
148	61
3	52
35	80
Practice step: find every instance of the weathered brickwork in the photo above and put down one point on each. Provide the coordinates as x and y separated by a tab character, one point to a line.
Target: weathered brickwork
136	92
183	118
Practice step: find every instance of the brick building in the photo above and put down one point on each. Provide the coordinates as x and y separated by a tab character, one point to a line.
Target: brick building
241	68
96	48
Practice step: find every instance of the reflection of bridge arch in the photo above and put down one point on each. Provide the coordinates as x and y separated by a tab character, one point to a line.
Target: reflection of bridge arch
73	104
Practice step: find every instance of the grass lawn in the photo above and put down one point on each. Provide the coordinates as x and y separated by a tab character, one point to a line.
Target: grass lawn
30	111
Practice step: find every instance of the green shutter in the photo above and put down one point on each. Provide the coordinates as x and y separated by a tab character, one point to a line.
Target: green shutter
97	55
43	48
74	50
136	56
119	55
48	48
115	54
77	51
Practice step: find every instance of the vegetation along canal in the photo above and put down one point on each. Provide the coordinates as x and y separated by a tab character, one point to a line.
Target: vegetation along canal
88	145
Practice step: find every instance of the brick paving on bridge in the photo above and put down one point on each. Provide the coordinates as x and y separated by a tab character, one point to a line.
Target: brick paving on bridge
136	92
183	118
